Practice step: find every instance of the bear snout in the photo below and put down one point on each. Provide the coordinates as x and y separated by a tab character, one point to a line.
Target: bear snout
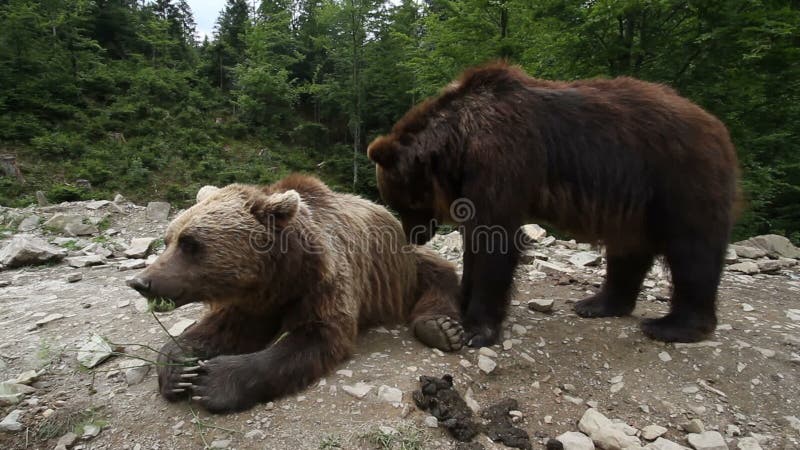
141	285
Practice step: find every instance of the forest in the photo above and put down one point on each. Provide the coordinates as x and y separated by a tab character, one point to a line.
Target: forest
124	94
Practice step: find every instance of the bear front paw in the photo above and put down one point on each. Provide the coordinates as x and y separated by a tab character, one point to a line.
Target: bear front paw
218	385
173	376
440	332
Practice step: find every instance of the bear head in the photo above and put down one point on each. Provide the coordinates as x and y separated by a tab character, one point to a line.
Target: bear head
406	178
228	248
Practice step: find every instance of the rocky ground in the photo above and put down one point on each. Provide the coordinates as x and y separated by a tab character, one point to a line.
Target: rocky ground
588	382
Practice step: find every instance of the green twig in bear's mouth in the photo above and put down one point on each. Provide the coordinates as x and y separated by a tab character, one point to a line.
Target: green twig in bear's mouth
157	304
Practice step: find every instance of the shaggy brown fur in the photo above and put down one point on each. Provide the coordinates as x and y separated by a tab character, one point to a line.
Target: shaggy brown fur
625	162
291	273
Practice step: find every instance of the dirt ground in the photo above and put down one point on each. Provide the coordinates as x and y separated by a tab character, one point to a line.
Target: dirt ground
744	382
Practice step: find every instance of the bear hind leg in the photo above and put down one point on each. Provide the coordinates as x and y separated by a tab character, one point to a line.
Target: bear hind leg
696	268
623	280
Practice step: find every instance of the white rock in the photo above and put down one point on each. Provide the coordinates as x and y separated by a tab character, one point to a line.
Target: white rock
748	443
67	440
69	224
431	422
131	264
471	402
775	246
204	192
358	390
707	440
695	426
12	393
592	421
345	373
387	430
220	443
25	250
27	377
91	430
518	329
180	326
586	259
653	432
664	444
85	261
612	438
793	314
744	251
551	268
793	422
135	370
572	440
746	267
486	364
96	204
390	394
255	435
11	421
94	351
508	344
665	357
48	318
28	224
616	387
541	305
74	277
731	256
139	247
486	351
534	232
746	307
158	211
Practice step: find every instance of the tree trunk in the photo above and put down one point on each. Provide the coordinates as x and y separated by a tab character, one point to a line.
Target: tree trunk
9	168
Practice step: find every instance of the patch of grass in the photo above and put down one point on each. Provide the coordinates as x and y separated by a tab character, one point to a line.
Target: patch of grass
407	437
100	239
330	441
71	245
104	224
160	305
71	417
157	245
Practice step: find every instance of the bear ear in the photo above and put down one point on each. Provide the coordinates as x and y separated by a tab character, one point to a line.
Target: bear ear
275	210
382	152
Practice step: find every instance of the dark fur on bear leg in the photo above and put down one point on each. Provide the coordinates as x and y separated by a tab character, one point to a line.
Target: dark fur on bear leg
696	266
492	260
623	281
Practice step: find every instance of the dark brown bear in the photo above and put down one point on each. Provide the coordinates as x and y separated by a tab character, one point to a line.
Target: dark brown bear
291	272
623	162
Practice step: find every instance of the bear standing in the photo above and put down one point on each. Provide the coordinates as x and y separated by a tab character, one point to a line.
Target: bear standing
291	272
624	162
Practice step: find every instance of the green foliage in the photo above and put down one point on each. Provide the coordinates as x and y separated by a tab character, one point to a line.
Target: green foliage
121	94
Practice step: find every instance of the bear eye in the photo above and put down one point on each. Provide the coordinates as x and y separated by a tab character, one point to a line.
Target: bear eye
189	244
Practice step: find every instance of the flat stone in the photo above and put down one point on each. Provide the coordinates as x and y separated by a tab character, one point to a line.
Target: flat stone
612	438
69	224
744	251
519	330
255	435
27	377
48	318
24	250
12	393
541	305
573	440
775	245
135	370
94	351
139	248
90	431
486	364
731	256
180	326
96	204
533	232
664	444
707	440
486	351
358	390
11	421
695	426
85	261
158	211
551	268
748	443
431	422
593	420
665	357
131	264
67	440
586	259
29	223
653	432
345	373
746	267
74	277
389	394
220	443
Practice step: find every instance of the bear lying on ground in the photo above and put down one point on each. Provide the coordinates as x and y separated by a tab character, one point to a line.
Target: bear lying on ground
623	162
291	272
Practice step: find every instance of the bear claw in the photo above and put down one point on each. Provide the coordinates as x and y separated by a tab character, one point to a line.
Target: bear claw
440	332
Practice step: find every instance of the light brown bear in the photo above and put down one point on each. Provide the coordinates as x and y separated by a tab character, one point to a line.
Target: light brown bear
291	272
